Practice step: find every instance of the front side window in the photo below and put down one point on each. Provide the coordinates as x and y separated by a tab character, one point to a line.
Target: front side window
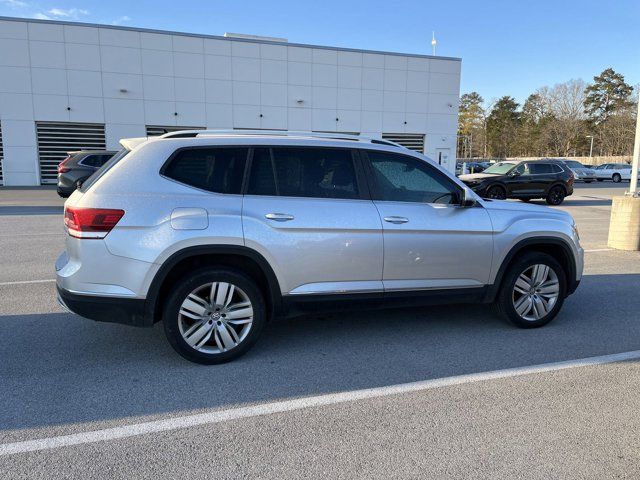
404	179
217	170
303	172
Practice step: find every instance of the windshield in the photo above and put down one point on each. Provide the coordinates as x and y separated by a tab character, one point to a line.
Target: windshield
500	168
103	169
573	164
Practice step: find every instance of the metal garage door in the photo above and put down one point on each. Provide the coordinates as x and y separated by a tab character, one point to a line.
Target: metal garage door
414	141
55	139
155	130
1	157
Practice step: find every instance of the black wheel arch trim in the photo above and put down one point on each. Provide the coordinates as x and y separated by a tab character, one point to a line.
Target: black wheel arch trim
572	283
275	294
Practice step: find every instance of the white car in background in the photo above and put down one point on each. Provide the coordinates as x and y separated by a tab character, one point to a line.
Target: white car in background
580	172
613	171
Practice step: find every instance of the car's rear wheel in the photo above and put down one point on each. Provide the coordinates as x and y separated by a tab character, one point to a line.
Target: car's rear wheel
214	315
616	177
556	195
532	291
497	193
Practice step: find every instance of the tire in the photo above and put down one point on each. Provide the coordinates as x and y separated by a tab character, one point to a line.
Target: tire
556	195
496	192
616	177
543	308
217	338
588	181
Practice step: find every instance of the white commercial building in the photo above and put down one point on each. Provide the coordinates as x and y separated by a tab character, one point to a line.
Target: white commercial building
66	86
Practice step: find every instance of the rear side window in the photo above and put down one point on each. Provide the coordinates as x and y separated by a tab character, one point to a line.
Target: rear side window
303	172
217	170
556	168
540	168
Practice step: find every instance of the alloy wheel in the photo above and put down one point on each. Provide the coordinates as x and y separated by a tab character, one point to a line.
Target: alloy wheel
536	292
496	193
556	195
215	317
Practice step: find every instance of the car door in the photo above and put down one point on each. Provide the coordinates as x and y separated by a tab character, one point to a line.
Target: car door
542	176
430	241
605	171
308	212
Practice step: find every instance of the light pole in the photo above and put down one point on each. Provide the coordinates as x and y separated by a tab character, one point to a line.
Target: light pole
591	147
624	227
633	186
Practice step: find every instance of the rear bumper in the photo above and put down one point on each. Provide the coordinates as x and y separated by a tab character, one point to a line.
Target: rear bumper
127	311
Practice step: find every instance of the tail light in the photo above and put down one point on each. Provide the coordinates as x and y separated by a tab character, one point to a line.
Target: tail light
62	168
91	222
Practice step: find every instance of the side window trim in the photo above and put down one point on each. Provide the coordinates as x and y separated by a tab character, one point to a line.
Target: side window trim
376	193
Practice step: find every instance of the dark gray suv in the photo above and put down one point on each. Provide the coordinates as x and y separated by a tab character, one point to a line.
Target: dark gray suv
79	166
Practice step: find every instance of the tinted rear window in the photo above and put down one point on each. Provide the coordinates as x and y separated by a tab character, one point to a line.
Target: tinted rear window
217	170
303	172
95	160
540	168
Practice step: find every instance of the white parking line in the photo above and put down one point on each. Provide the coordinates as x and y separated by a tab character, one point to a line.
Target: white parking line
599	250
219	416
24	282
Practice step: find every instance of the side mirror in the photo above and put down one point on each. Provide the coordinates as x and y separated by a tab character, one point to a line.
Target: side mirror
467	200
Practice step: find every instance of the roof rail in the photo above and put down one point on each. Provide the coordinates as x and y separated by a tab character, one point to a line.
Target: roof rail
283	133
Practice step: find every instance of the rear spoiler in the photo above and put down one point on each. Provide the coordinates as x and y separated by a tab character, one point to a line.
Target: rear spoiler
131	143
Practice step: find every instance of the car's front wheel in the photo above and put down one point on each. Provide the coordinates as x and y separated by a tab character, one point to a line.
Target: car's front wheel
214	315
617	178
532	290
496	193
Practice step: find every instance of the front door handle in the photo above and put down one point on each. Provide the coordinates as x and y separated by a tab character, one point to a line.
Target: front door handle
396	220
279	217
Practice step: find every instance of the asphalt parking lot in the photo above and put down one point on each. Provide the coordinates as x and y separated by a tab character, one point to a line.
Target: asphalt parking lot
138	410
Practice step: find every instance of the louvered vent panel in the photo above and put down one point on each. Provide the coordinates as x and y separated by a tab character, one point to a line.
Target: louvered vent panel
55	139
410	140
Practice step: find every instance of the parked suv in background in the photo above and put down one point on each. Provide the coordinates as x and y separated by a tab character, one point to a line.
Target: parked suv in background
526	180
79	166
214	233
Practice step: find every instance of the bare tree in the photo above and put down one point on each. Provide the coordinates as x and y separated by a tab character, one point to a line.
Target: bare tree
564	131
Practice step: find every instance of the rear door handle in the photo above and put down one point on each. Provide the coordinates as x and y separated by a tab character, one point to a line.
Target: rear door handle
396	220
279	217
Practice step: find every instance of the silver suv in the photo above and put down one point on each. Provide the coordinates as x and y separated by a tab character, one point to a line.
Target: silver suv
214	233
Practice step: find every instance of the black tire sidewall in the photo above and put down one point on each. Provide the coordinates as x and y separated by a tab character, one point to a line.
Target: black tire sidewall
550	200
497	188
190	282
616	178
504	300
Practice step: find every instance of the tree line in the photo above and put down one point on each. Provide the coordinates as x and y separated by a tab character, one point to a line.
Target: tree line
559	121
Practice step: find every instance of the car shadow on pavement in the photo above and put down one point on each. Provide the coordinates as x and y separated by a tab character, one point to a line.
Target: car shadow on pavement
578	202
58	370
